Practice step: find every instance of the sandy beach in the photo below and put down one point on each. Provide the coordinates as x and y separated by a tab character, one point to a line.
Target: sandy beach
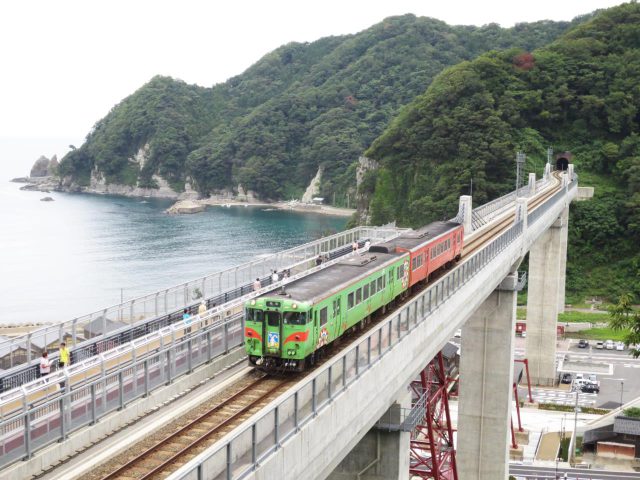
196	205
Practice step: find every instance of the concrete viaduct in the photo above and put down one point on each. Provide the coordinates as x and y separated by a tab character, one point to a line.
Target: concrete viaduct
326	426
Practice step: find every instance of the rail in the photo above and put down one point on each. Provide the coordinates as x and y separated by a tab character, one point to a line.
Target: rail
239	455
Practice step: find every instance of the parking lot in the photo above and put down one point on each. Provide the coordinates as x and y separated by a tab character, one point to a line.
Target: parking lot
622	384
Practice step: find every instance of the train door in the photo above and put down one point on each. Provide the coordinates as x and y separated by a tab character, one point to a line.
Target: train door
273	332
337	315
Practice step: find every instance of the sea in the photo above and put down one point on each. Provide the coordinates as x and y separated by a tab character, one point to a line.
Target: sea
81	253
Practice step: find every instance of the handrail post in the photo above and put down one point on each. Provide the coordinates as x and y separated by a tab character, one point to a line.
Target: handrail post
314	401
27	434
146	377
94	414
121	389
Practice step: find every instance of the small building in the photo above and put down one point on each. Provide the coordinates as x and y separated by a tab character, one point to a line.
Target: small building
51	343
451	358
317	200
11	354
100	326
620	440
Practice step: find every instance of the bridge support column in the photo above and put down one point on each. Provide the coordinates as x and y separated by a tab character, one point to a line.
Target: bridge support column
564	240
486	386
381	453
547	262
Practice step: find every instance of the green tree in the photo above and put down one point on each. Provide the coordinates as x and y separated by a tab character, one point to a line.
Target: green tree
625	318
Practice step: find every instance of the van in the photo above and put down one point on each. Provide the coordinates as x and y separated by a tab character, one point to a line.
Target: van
600	345
578	383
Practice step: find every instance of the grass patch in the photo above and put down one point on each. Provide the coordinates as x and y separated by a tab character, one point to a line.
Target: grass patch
564	447
569	408
571	317
599	334
583	317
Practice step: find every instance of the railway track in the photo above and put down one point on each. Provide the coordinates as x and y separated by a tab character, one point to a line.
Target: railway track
177	448
478	242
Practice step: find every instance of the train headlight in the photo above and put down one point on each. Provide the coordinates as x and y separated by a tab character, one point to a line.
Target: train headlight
294	306
253	302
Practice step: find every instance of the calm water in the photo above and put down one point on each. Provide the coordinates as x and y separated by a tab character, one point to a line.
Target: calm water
72	256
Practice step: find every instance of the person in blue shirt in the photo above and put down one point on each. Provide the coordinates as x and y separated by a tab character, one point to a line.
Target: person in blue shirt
186	318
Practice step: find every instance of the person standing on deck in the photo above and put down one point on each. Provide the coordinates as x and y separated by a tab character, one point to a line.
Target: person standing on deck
202	308
65	358
45	364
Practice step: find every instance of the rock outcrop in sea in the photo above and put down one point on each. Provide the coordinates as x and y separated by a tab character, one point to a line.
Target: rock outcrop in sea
44	167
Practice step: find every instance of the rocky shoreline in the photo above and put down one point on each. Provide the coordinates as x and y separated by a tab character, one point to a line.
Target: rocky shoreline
188	205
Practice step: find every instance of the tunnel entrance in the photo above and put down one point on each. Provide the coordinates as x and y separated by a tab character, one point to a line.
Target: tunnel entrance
562	163
563	160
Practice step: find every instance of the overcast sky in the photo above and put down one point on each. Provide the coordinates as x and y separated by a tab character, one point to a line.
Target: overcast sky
66	63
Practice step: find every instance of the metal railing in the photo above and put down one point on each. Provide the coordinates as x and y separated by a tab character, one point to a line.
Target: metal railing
54	419
400	419
168	304
241	454
77	374
89	348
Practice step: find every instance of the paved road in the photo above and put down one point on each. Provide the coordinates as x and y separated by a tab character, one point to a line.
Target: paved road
625	380
539	473
560	397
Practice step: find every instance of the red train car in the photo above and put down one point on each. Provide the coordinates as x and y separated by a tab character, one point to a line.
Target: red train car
431	247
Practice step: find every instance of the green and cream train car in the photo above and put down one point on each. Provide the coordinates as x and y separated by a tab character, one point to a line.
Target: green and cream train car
287	329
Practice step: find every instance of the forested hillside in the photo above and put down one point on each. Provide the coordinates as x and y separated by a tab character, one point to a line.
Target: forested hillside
581	93
300	107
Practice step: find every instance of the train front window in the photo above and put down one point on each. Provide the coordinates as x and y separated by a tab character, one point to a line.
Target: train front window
294	318
255	315
273	318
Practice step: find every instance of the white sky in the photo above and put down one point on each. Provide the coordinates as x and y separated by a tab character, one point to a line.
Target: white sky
66	63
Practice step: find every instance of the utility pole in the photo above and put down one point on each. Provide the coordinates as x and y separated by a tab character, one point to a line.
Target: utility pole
520	158
575	428
621	392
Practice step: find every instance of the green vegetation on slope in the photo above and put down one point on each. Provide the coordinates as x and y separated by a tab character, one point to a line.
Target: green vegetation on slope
300	107
581	93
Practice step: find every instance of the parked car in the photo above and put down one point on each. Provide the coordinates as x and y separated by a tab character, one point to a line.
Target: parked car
609	345
578	383
600	345
583	344
566	378
590	388
620	346
458	333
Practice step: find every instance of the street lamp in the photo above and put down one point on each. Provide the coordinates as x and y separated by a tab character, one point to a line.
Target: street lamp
621	392
575	429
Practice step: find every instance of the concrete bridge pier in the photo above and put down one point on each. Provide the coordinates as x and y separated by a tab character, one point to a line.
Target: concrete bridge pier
547	265
383	452
486	385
